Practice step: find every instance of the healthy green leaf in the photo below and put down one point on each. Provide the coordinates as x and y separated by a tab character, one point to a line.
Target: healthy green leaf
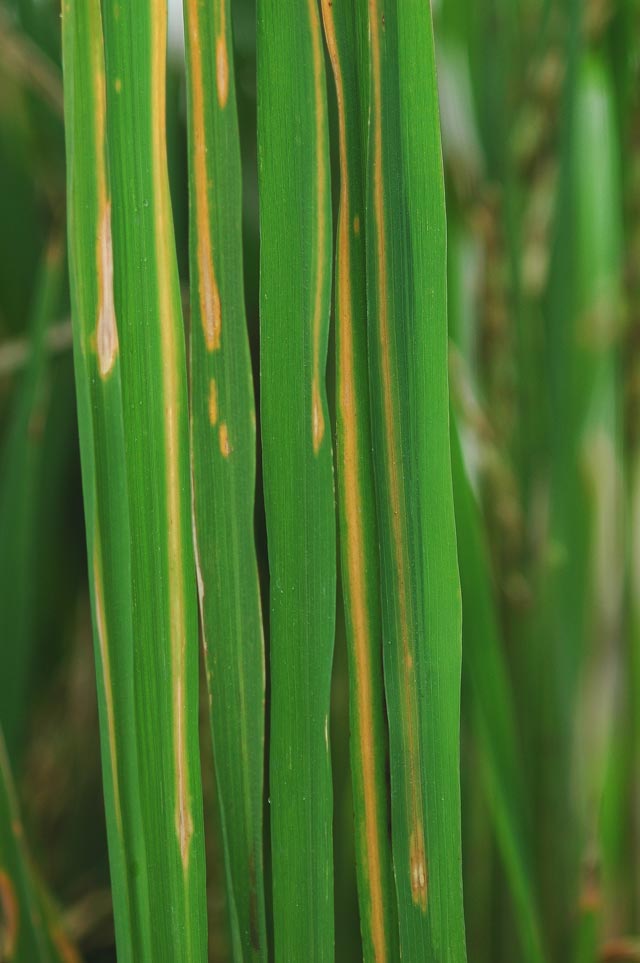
295	272
491	709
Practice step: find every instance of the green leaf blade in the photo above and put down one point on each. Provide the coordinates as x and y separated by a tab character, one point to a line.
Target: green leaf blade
406	236
154	393
356	500
98	380
295	267
223	442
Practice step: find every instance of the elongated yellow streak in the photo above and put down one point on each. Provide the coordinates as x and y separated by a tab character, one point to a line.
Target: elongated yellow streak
210	307
213	402
417	856
106	328
222	58
105	659
317	411
169	327
106	337
356	564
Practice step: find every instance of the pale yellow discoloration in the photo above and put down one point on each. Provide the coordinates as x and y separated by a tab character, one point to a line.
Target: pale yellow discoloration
105	659
118	85
418	868
209	295
170	325
374	818
196	552
222	71
213	402
356	226
223	439
183	816
409	710
106	329
222	59
320	267
9	916
210	306
317	415
105	340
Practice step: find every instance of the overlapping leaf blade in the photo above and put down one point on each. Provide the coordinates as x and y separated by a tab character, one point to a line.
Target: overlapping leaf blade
295	277
223	453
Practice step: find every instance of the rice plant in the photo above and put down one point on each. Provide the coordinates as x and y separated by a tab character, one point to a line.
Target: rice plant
319	481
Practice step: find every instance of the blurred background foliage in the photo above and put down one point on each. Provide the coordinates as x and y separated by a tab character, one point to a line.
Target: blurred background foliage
540	111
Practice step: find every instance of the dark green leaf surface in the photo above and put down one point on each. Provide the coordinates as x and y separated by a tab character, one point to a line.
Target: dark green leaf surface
21	467
295	272
30	931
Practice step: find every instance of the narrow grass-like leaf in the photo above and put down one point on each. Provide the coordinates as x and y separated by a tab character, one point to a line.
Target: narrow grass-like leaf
356	498
29	928
594	483
154	393
223	440
491	708
295	272
406	257
20	470
104	471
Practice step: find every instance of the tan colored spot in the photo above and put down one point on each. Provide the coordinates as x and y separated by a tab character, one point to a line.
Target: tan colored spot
418	868
9	917
317	416
213	402
223	438
118	85
210	307
209	295
356	225
184	819
222	71
106	329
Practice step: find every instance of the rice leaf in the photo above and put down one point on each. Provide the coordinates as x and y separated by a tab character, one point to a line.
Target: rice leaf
223	453
421	612
295	276
150	335
356	499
